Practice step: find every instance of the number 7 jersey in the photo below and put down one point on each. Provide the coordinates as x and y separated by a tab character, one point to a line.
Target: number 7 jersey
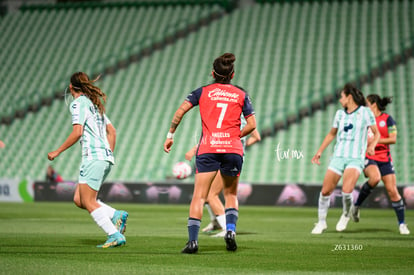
220	108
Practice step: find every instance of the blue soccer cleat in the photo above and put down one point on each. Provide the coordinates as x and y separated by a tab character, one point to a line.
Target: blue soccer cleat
119	220
113	240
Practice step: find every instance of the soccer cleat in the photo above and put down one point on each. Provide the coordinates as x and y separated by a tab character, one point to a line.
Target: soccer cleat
119	220
230	239
319	228
221	234
113	240
213	225
342	223
404	229
355	213
190	248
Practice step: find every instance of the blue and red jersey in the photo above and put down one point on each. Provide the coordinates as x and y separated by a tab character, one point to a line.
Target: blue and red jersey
386	125
220	108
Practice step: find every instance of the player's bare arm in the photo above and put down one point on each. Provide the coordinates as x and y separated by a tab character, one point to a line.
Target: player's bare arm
372	143
111	136
249	127
178	116
73	137
327	140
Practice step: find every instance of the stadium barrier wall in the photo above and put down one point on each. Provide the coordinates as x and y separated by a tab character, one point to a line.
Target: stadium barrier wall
248	194
12	190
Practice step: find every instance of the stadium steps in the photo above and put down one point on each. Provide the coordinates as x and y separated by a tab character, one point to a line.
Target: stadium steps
42	66
161	81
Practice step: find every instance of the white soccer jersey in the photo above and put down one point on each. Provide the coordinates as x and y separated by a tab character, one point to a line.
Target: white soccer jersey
351	138
94	141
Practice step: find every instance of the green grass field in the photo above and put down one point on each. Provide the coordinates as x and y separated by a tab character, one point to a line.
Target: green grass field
58	238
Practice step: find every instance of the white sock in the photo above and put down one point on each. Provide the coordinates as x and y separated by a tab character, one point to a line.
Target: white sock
347	201
108	209
324	202
210	212
103	221
221	221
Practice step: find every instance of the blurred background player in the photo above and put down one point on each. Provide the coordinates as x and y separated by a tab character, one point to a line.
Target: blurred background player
52	177
2	145
98	138
350	127
213	203
379	166
220	148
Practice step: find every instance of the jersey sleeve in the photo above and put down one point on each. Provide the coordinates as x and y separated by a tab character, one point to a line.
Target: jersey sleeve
106	120
370	118
78	113
247	107
335	123
391	125
194	96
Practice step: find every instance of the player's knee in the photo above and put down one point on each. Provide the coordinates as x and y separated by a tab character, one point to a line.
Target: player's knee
374	180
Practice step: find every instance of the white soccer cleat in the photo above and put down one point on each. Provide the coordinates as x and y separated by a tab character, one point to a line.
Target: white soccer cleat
211	227
319	227
220	234
342	223
404	229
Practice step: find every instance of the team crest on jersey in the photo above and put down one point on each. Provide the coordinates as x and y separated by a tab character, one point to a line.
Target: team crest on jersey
348	127
382	123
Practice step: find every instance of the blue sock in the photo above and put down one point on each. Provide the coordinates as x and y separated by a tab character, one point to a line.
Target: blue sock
399	210
193	226
363	194
232	214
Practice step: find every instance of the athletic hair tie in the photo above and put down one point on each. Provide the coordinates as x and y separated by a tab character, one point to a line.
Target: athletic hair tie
223	76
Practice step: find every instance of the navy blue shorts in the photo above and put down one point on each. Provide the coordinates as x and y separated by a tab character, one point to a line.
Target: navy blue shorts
228	164
385	168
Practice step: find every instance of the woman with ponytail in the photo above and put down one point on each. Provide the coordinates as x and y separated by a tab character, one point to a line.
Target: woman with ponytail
220	148
350	128
97	137
379	166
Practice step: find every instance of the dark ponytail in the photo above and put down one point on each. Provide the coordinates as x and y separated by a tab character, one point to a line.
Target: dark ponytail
381	102
223	68
81	83
357	95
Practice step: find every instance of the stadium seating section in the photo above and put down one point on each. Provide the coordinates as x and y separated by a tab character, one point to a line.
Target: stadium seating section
291	56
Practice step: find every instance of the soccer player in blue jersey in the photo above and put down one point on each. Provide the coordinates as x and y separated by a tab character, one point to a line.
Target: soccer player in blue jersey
97	137
380	166
350	128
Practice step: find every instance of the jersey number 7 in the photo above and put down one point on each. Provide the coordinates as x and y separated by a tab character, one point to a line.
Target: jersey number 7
223	107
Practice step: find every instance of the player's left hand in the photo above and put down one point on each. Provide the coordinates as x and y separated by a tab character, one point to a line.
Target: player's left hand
168	144
371	150
52	155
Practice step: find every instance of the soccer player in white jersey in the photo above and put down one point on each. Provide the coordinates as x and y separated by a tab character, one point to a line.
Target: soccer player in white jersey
350	127
97	138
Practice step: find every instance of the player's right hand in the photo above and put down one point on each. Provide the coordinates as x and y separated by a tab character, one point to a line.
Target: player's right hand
316	158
